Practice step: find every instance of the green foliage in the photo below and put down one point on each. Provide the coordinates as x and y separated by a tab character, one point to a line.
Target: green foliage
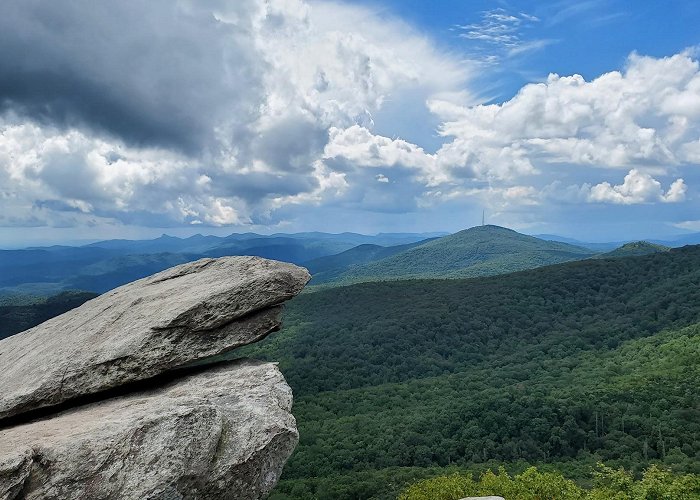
20	313
451	487
330	268
566	364
479	251
656	484
635	249
532	484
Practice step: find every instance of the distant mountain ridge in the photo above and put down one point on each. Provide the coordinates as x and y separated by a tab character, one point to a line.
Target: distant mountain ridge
198	242
329	268
478	251
333	259
672	242
101	266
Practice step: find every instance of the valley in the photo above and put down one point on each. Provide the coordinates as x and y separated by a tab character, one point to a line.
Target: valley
568	365
575	358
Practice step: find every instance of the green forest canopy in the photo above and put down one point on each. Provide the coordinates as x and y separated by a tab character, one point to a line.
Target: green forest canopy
532	484
575	362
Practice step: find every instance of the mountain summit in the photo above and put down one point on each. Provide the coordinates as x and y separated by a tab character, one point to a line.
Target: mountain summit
636	249
478	251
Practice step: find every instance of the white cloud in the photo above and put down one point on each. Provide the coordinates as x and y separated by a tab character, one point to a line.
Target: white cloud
280	115
524	195
381	178
617	120
498	27
689	225
676	193
358	145
644	115
499	34
284	83
638	187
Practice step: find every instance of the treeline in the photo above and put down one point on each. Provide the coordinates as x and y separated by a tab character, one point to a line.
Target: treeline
532	484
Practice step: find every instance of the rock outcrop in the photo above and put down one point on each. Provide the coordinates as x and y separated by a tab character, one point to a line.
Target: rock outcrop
130	424
206	435
147	327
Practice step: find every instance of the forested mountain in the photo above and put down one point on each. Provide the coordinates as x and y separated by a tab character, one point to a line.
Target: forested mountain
332	258
478	251
329	268
566	364
635	249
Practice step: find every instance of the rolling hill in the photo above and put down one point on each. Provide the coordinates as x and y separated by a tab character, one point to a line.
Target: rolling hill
635	249
479	251
329	268
567	365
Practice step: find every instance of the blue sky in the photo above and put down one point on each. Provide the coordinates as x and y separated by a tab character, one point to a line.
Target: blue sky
588	37
133	119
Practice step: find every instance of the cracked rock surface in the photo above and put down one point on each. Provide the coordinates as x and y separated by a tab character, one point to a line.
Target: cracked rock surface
185	313
96	404
222	433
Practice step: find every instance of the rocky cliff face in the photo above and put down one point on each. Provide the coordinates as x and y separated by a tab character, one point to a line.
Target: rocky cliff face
95	405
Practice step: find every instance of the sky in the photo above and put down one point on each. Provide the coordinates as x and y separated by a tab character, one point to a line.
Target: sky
131	119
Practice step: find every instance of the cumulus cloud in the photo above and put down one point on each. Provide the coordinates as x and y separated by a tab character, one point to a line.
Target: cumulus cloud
638	187
189	112
226	113
646	114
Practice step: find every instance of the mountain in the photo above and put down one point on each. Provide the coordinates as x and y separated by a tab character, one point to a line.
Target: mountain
201	244
329	268
381	239
479	251
673	242
104	265
635	249
679	241
566	365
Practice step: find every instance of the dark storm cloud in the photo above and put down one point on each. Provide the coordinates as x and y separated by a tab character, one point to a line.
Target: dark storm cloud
256	185
152	73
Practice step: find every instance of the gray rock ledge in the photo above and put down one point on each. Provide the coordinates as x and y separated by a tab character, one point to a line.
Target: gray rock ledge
221	433
145	328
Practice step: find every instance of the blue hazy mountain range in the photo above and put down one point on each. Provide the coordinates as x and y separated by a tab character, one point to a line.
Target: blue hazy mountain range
332	258
101	266
675	242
